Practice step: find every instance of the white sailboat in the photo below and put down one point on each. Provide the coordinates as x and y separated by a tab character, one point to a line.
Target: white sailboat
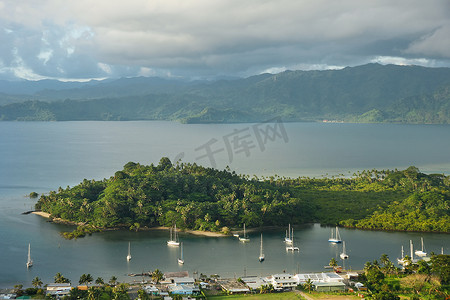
173	237
129	252
411	248
181	259
261	253
343	255
401	260
29	260
421	253
244	238
292	247
335	236
288	239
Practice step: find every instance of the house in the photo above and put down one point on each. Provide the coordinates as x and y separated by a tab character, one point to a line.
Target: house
58	289
323	282
184	289
254	282
282	281
151	289
318	277
183	280
233	287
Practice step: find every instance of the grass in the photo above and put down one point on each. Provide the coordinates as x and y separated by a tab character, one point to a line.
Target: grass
284	296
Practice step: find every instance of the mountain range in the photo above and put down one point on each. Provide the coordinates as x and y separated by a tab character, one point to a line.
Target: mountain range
367	93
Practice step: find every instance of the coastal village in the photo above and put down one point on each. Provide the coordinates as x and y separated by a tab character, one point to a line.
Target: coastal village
183	284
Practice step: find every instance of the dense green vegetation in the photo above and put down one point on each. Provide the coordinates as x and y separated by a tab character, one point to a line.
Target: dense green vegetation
369	93
194	197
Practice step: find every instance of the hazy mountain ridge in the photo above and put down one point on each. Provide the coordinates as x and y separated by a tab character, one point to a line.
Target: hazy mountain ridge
368	93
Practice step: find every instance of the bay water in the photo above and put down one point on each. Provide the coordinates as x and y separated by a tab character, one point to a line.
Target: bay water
42	156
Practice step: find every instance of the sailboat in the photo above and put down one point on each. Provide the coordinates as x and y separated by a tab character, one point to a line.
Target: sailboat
335	237
29	260
401	260
129	252
181	259
244	238
288	239
421	253
343	255
292	247
261	254
173	237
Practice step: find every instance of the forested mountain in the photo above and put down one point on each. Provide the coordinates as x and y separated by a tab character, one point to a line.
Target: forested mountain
194	197
369	93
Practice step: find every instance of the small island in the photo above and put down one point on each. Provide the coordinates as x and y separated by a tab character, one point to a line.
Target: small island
203	199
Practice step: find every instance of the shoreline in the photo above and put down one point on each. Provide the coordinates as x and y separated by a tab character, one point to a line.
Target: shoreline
194	232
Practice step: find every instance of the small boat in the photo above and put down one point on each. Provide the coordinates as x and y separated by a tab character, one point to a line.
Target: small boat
421	253
261	253
129	252
401	260
335	237
29	260
181	259
343	255
236	235
288	239
173	237
244	238
292	247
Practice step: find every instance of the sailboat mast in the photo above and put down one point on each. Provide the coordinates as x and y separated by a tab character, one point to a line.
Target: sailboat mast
261	249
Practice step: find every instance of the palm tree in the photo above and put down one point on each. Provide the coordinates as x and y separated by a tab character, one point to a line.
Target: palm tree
99	281
61	279
384	259
308	285
37	282
93	293
157	275
113	280
333	263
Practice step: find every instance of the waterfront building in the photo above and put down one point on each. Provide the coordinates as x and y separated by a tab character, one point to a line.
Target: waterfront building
282	281
58	289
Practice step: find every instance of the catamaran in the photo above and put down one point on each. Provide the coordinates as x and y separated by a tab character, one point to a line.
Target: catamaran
173	237
335	237
421	253
343	255
181	259
288	239
244	238
261	254
292	247
29	260
129	252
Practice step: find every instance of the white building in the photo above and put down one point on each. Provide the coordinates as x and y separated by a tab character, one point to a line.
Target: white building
319	277
58	289
282	281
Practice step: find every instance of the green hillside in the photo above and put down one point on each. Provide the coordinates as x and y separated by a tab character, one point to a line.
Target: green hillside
369	93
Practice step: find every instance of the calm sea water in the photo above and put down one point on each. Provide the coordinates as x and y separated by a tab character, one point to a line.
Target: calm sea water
40	157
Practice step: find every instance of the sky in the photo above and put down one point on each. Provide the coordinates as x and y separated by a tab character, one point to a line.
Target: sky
203	39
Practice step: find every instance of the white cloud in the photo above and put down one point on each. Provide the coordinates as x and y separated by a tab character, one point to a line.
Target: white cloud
220	37
404	61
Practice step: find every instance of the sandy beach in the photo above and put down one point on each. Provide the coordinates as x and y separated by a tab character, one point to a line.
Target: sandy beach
195	232
41	213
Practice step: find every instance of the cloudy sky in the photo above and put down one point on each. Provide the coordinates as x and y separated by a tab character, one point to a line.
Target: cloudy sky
83	39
